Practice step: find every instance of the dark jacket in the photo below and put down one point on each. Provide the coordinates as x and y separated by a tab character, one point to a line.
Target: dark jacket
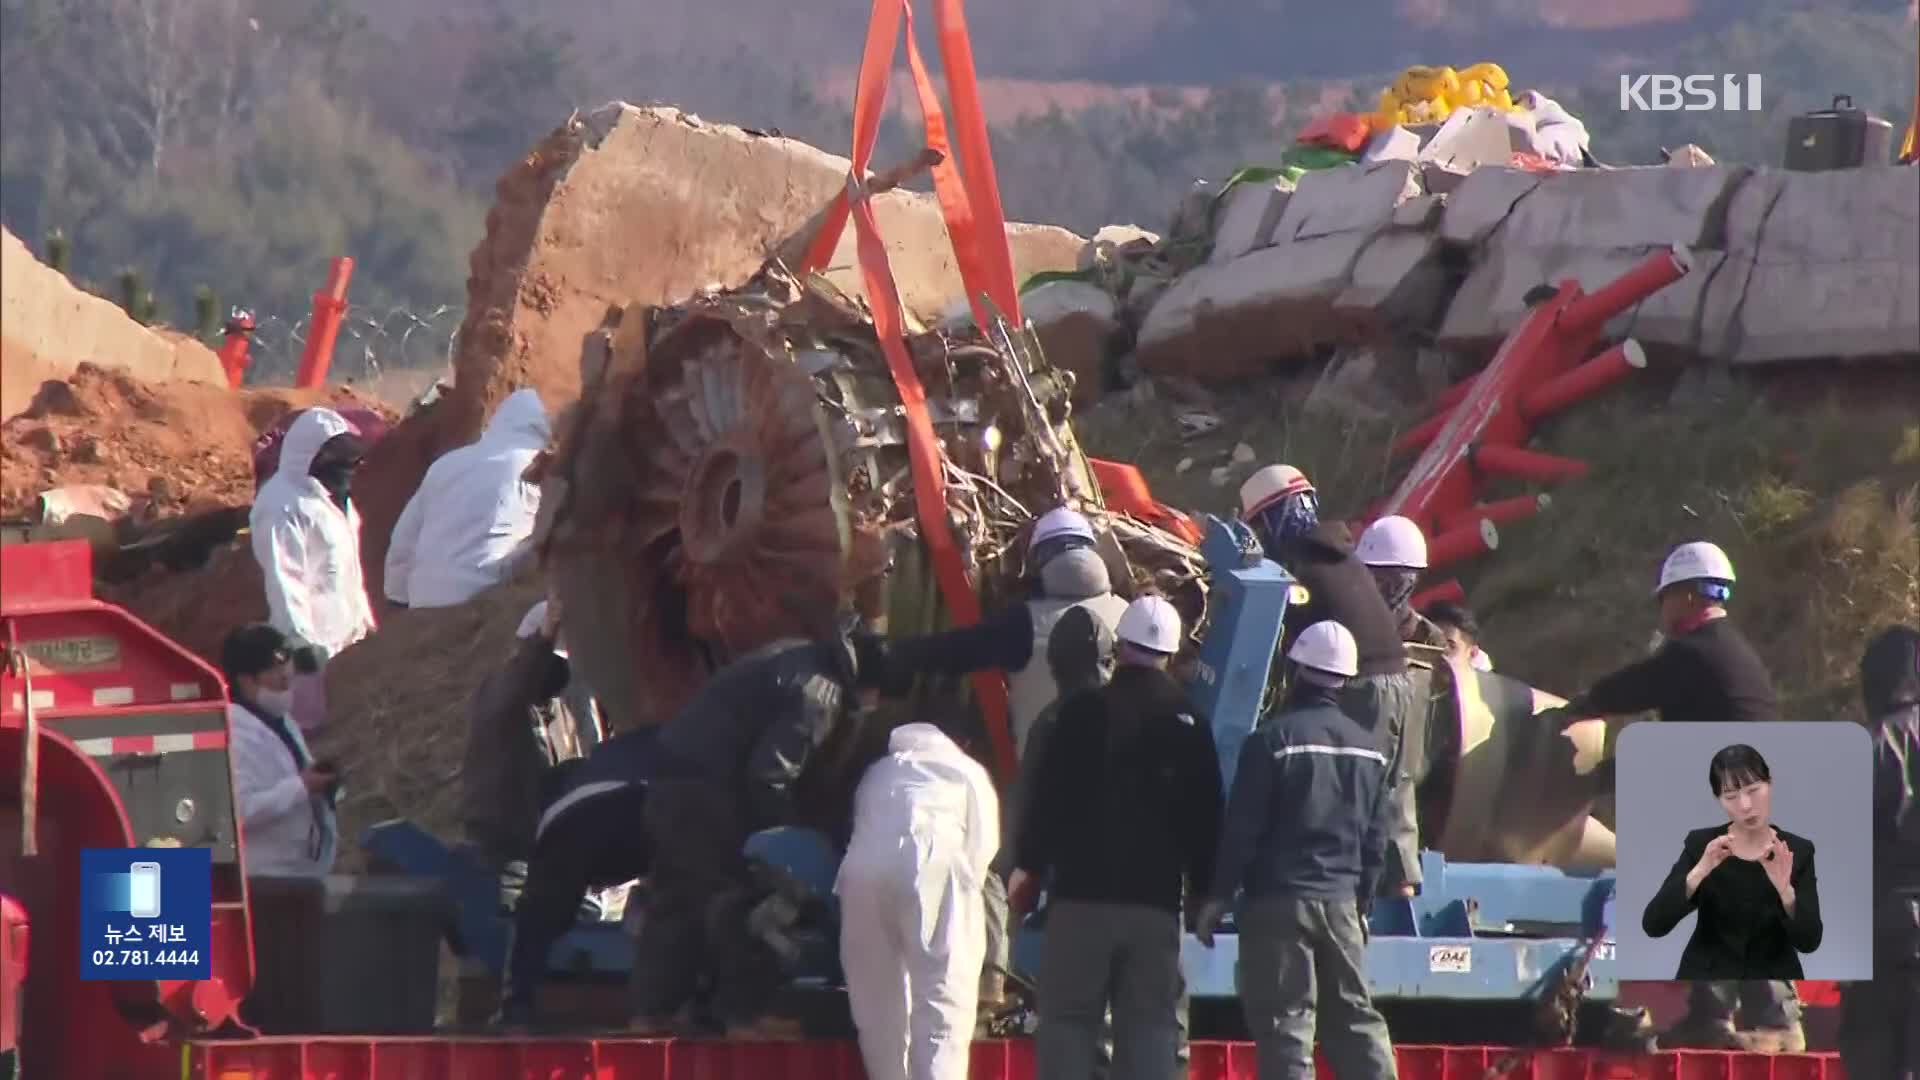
1125	806
1307	816
1896	802
1743	932
1340	587
1709	674
517	726
751	730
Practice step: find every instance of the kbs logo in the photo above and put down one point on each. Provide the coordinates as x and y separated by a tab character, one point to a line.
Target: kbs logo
1691	93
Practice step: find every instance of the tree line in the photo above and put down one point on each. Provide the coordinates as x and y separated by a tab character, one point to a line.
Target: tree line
235	146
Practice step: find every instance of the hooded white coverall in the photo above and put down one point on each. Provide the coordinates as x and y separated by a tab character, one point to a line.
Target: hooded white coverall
912	924
472	514
308	548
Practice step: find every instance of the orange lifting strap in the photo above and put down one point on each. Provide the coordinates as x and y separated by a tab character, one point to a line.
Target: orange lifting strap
977	228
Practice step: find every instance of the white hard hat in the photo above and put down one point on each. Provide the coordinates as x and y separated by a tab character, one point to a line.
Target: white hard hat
1150	623
1696	561
1393	541
1269	486
1058	522
1327	646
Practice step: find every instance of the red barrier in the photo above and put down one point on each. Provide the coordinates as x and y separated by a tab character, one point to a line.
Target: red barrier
345	1057
329	308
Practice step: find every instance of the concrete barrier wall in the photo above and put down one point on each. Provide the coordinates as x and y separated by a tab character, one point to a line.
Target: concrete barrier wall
1789	267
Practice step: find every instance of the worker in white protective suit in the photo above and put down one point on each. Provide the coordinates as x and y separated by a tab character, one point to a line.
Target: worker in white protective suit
306	538
471	521
912	919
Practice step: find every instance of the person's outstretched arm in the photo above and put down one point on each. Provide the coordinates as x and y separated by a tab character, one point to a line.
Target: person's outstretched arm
1676	895
1804	929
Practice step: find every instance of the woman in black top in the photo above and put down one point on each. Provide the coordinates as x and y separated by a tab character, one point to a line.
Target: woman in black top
1753	884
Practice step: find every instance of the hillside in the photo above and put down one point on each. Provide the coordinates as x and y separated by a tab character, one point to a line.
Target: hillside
239	144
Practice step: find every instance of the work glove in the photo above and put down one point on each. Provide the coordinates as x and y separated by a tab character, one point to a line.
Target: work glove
1023	891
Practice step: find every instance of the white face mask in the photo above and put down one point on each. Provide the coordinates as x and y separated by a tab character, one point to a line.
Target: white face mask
278	702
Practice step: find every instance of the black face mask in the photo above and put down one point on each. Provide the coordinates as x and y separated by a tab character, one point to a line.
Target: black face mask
337	479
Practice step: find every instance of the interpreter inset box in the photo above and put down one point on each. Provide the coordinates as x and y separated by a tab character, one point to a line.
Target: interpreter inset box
1744	851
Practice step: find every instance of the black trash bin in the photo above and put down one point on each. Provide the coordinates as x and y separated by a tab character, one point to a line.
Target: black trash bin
346	955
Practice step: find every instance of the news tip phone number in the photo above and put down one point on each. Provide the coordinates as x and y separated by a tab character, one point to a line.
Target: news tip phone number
144	957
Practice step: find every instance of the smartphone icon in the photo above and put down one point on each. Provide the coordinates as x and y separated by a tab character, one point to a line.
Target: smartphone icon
144	893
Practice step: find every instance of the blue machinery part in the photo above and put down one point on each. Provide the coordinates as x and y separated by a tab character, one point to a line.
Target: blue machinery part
1478	932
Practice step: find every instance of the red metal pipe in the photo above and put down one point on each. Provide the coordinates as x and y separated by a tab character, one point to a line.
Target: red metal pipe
1466	542
329	307
1446	590
1584	381
1586	314
1527	464
1500	512
1422	433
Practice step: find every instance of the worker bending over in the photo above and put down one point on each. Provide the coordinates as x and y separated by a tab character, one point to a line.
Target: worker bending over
587	836
926	826
1284	511
1880	1020
1704	670
519	725
306	538
1395	551
1305	840
1123	814
470	522
735	754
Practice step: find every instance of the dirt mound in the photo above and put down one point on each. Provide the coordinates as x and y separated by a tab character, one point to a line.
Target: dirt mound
397	709
187	444
198	607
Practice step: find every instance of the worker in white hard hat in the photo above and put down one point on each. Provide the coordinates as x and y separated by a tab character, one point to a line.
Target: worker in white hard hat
1704	670
1395	550
1303	843
1122	819
1064	572
1280	505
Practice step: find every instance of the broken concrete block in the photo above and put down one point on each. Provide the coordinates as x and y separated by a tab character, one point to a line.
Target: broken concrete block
1079	327
1190	217
1233	318
1394	144
1247	217
1821	265
1419	212
1589	226
1475	210
1396	287
1348	198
